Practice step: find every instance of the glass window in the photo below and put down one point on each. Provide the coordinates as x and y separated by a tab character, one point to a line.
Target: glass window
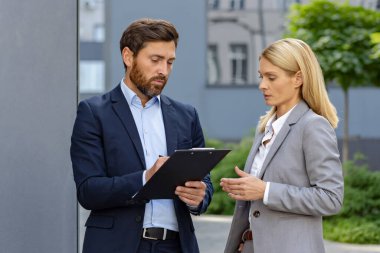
91	76
242	4
237	4
99	33
239	63
213	4
213	65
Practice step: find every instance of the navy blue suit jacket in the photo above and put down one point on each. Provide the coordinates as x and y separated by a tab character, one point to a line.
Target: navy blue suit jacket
108	163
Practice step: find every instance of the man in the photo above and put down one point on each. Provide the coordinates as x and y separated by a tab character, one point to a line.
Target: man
120	139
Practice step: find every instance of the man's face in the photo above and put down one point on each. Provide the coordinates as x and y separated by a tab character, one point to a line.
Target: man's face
151	67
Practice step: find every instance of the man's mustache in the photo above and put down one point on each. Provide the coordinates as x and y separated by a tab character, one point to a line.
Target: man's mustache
159	78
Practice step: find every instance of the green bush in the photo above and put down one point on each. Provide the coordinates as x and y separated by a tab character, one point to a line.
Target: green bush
359	219
352	230
221	203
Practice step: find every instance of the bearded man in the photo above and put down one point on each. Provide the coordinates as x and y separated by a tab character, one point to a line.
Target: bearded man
121	138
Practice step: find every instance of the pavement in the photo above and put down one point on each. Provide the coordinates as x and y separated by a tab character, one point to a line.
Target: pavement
212	232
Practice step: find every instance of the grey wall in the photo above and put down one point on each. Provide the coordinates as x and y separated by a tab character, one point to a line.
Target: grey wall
230	113
38	91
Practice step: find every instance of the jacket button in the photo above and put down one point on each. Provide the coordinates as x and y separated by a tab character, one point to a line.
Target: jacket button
138	218
256	214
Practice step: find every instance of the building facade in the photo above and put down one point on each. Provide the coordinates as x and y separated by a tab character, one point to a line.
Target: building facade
217	61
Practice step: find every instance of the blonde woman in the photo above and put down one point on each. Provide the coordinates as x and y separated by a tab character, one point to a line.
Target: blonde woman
293	175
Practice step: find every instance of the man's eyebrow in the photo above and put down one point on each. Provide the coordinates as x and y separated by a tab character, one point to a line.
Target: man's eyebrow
161	57
157	55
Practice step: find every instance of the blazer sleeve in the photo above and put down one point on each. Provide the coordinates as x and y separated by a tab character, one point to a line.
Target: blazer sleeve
198	142
324	171
96	190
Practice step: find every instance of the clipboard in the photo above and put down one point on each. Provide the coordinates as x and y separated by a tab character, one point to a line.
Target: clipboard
182	166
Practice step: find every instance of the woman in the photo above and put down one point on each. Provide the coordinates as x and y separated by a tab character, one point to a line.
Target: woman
293	175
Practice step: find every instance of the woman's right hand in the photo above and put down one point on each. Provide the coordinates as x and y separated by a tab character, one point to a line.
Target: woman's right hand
246	187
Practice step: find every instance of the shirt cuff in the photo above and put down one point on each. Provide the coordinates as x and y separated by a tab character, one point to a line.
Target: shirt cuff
266	193
143	178
193	208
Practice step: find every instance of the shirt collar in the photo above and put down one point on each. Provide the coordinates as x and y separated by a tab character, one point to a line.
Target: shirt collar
277	124
134	100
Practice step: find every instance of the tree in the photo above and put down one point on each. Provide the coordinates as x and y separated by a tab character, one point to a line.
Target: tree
375	39
340	35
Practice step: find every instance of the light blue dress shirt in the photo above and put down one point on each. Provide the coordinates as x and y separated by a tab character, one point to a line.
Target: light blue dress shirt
150	125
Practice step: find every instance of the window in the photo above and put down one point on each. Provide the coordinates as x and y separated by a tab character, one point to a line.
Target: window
213	4
284	5
213	65
98	33
239	63
242	4
92	76
237	4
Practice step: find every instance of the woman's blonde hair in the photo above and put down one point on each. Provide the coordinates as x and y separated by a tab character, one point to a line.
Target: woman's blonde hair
293	55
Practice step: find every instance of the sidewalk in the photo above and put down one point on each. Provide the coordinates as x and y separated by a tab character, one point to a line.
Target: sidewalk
212	232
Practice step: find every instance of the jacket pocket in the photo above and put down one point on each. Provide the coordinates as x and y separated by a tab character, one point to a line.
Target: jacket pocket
98	221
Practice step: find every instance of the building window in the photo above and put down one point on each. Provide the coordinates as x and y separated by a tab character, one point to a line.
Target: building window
213	4
98	33
213	65
378	5
91	76
242	4
239	63
284	5
237	4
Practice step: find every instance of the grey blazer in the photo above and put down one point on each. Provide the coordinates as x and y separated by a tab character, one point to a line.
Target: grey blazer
306	178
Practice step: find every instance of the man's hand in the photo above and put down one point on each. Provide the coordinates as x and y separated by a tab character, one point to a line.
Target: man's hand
192	193
156	166
247	187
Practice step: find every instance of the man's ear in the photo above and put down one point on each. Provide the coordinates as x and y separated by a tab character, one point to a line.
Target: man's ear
298	79
127	55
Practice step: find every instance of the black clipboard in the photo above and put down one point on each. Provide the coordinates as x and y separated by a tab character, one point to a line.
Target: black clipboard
182	166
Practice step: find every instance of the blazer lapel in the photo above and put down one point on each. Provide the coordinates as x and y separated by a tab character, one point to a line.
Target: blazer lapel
294	116
170	122
255	146
121	108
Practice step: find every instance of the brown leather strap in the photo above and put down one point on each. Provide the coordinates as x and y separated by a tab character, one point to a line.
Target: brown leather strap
247	235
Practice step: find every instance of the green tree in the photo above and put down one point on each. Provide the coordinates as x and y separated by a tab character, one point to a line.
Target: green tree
375	39
340	35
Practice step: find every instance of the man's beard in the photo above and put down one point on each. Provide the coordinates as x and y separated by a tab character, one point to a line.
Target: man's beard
145	85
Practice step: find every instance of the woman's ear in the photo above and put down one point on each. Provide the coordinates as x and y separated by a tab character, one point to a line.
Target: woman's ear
127	56
298	79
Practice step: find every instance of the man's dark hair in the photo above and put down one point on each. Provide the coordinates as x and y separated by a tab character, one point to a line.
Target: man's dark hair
147	30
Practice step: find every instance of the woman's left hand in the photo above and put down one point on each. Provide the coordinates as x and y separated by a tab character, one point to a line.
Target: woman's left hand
247	187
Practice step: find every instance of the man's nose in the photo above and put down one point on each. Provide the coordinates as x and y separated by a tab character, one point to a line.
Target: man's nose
164	69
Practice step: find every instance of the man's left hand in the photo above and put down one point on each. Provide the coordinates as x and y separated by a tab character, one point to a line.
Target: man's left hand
192	193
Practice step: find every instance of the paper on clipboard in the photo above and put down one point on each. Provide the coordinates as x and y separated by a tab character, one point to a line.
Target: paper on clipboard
182	166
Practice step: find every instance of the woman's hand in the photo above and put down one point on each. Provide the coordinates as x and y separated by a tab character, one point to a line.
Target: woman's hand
247	187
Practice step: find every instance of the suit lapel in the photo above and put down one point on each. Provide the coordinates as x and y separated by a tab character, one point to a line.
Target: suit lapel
255	146
276	144
294	116
121	108
170	122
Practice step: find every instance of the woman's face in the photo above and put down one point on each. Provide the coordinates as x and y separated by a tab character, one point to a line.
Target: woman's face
279	88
